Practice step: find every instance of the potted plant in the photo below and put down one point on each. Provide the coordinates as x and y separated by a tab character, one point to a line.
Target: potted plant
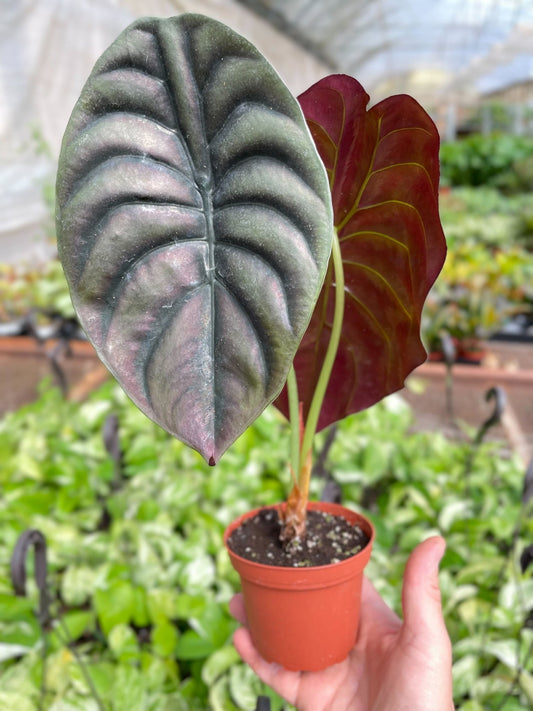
221	239
479	292
40	336
33	299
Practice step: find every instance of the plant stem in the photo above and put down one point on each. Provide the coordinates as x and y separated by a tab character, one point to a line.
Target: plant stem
294	419
327	366
294	516
68	641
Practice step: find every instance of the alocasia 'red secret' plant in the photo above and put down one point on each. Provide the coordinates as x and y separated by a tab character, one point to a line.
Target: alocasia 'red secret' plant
213	253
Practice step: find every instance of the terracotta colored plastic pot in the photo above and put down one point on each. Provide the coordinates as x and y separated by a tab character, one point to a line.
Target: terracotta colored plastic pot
304	619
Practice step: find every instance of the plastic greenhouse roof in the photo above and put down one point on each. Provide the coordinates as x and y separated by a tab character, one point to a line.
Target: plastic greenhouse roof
440	51
437	47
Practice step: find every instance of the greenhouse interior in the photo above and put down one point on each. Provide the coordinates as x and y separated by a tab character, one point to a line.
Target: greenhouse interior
265	254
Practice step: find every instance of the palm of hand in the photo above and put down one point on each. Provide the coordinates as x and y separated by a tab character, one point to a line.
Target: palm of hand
394	666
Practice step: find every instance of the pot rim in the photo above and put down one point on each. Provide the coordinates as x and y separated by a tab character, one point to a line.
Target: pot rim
317	574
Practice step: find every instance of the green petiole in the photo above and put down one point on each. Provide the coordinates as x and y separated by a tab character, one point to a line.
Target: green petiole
294	419
299	454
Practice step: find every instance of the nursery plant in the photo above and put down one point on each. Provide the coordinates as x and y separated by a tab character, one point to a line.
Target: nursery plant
227	246
33	291
159	557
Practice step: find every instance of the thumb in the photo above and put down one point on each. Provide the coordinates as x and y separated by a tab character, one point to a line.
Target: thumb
421	599
424	632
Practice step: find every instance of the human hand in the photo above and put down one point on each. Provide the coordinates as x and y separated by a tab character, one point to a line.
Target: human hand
394	666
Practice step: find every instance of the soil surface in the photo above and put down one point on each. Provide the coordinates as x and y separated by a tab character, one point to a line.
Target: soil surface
329	539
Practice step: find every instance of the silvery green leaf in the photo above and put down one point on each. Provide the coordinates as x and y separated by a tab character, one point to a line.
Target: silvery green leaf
194	224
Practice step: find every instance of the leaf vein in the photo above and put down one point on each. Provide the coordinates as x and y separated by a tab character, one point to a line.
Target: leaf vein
364	184
371	317
384	235
413	164
405	128
300	228
366	267
404	204
140	158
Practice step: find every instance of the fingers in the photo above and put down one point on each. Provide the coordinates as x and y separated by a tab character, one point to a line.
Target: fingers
424	633
284	682
236	608
244	645
376	616
421	599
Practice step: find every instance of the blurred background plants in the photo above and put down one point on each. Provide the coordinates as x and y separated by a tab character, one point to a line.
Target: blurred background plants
487	213
488	160
486	286
139	582
39	289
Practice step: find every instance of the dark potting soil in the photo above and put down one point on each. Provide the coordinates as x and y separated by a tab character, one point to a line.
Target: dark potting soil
329	539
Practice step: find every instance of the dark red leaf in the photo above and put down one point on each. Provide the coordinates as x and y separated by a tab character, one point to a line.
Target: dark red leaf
383	167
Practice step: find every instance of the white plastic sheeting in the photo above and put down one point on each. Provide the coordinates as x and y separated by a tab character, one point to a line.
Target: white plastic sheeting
48	47
47	50
388	44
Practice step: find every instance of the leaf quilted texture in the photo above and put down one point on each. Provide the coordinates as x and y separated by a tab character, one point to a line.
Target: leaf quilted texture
194	224
383	166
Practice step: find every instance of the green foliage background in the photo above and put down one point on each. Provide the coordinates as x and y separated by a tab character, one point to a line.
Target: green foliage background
138	577
499	160
140	581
